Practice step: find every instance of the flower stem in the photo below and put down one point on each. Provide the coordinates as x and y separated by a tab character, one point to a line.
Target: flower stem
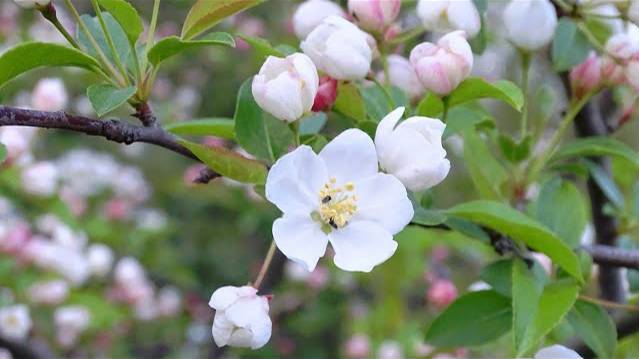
109	39
525	69
445	110
609	304
295	126
575	107
265	265
49	13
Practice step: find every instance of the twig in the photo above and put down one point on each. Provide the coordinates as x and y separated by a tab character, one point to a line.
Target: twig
206	175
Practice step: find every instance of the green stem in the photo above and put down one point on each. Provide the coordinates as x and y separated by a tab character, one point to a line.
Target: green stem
563	5
109	39
540	162
265	265
525	69
53	18
136	62
92	40
295	127
445	111
151	31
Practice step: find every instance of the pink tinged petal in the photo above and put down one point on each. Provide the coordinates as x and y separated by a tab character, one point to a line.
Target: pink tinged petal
293	183
422	50
361	245
222	329
300	239
223	297
434	76
383	199
350	156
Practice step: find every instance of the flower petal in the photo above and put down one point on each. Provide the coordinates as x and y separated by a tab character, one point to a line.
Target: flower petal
382	198
387	124
293	183
225	296
350	156
300	239
361	245
222	329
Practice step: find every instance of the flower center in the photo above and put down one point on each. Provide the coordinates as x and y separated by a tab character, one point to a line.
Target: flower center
337	204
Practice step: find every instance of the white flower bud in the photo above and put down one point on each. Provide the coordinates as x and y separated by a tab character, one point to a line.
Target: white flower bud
40	179
27	4
49	95
70	322
397	149
100	259
51	292
286	87
241	317
402	74
340	49
15	322
449	15
530	24
374	15
311	13
442	67
556	351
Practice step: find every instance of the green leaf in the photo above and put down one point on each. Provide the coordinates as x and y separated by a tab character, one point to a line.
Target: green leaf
126	16
173	45
514	152
430	106
599	28
554	303
473	319
259	133
527	287
467	117
349	102
207	13
506	220
375	101
593	324
368	126
467	228
119	37
229	163
474	88
262	46
312	123
559	203
598	146
487	174
3	153
106	98
499	276
317	142
220	127
428	217
606	183
569	47
32	55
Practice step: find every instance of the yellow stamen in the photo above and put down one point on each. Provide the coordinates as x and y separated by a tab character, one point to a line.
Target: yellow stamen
337	204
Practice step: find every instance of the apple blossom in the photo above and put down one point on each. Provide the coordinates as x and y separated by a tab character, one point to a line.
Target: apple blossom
311	13
620	49
442	67
586	76
390	349
241	317
358	347
555	352
326	94
412	151
441	293
27	4
402	74
448	15
286	87
70	321
374	15
40	179
530	24
340	197
15	322
50	292
100	259
339	48
49	95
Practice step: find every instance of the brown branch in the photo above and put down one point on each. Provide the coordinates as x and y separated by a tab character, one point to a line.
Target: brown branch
112	130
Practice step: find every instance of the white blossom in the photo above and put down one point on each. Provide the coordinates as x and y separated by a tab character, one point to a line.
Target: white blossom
40	179
449	15
339	48
530	24
311	13
50	292
15	322
402	74
412	151
70	321
556	352
241	317
49	95
286	87
100	259
337	196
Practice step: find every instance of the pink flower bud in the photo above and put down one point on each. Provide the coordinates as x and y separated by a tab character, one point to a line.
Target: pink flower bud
117	209
586	76
358	347
441	293
374	15
442	67
326	94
